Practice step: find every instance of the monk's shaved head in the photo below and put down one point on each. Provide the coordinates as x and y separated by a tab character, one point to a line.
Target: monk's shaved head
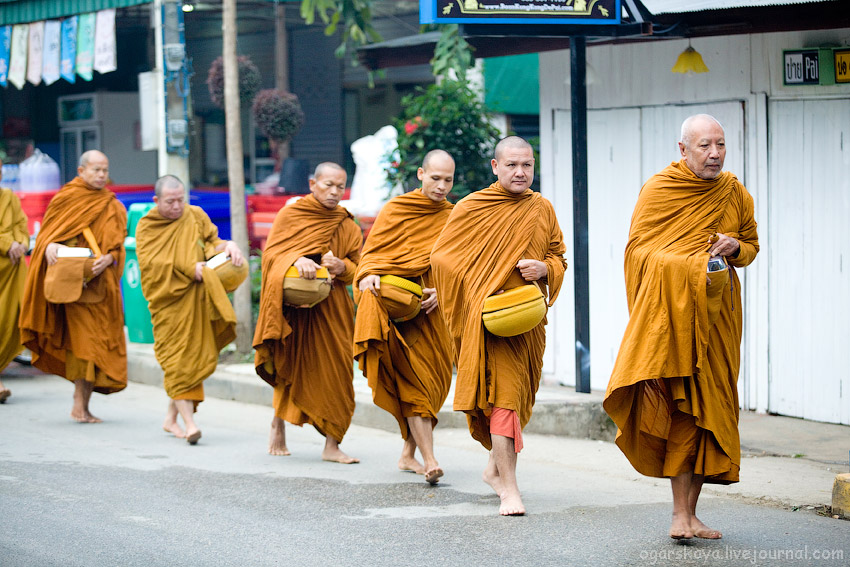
89	156
442	155
513	142
326	167
693	123
166	182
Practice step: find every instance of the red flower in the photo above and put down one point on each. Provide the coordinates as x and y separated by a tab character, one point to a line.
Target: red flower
410	127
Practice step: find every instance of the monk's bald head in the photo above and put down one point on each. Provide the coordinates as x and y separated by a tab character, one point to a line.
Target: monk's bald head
167	182
327	167
94	169
513	164
169	196
437	174
703	145
511	142
440	155
328	183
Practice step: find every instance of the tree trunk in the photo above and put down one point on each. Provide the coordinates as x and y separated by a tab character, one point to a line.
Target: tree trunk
236	173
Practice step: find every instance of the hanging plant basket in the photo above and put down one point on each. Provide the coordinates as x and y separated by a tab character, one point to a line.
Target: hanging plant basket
278	114
249	81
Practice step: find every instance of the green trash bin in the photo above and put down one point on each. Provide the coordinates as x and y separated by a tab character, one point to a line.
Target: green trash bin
137	316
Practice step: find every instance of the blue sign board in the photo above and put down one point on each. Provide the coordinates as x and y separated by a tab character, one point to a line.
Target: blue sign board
598	12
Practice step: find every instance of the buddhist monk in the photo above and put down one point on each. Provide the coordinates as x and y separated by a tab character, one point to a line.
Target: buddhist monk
408	363
497	239
191	314
673	391
305	353
14	242
82	341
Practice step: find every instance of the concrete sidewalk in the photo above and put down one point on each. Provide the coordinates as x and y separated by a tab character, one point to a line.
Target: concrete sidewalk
786	461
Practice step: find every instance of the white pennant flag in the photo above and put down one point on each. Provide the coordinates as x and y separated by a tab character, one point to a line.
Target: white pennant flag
35	53
18	58
105	59
52	51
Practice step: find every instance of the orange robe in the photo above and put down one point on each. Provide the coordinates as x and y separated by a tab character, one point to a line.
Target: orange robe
306	354
192	320
408	364
79	340
487	233
13	228
672	358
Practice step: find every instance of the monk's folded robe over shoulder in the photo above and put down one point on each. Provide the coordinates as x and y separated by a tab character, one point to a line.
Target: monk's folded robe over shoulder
79	340
487	233
306	353
13	228
408	364
671	357
192	320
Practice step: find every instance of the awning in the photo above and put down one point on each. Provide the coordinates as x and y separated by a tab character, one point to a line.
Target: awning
512	84
24	11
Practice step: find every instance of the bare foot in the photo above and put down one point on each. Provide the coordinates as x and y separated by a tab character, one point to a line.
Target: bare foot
681	527
433	476
277	439
410	465
335	455
83	416
192	437
174	429
4	395
511	504
702	531
491	477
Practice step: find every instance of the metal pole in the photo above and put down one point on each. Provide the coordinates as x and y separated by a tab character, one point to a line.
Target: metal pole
578	112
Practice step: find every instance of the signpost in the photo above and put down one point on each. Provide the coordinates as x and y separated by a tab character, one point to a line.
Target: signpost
519	11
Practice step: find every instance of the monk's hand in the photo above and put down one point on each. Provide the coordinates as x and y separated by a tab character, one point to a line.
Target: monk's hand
16	252
532	270
724	246
199	271
429	299
100	264
306	268
372	283
50	253
232	250
334	265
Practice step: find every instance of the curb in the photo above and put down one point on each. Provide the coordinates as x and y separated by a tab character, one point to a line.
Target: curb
558	410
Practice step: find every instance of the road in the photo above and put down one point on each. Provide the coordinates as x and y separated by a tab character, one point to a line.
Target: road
124	493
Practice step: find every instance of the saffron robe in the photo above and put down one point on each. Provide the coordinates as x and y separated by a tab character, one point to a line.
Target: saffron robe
487	233
79	340
13	228
306	354
408	364
192	320
672	357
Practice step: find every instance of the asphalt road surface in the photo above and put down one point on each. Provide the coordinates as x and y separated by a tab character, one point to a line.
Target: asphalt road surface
125	493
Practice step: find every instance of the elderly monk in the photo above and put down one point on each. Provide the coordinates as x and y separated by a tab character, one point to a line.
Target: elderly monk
408	364
673	391
81	341
191	314
14	242
306	353
496	239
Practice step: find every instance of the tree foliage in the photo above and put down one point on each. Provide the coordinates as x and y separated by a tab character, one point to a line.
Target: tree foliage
451	54
355	17
447	116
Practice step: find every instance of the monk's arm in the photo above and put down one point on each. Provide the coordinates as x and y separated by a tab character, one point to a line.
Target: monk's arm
747	236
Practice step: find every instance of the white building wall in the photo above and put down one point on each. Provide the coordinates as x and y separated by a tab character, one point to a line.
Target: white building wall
636	105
